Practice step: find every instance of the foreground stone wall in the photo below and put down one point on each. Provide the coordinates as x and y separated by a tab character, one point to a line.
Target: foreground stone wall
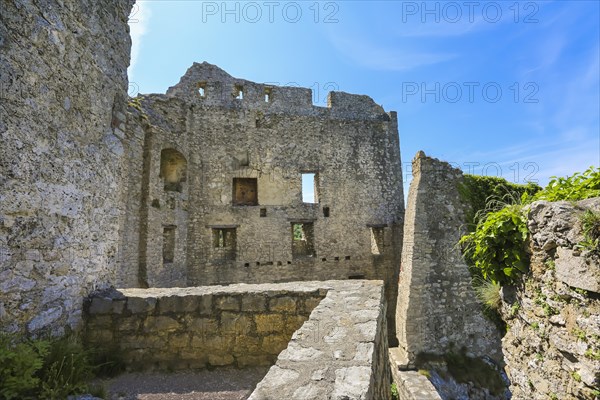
63	91
339	347
198	327
212	140
437	308
552	346
341	352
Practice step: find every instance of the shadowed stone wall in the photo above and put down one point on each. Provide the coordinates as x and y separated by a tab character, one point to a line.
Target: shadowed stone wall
63	94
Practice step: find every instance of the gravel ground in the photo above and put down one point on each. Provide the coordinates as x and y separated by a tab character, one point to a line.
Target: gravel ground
219	384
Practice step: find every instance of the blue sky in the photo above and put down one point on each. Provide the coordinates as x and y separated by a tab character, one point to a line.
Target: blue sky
495	87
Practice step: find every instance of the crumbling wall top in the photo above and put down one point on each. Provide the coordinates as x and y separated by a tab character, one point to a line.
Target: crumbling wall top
206	84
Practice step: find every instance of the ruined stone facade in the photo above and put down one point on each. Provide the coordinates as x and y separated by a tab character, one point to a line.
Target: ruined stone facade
215	186
63	99
437	308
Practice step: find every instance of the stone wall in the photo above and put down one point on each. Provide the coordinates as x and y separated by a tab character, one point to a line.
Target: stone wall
181	328
437	308
339	347
63	94
552	346
352	146
341	352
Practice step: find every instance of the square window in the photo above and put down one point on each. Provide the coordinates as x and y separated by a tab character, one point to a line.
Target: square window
245	192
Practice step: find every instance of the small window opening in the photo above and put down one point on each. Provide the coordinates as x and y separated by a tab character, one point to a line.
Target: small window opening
337	259
309	187
326	212
347	257
169	244
224	243
267	95
239	92
302	240
263	212
246	264
245	192
202	89
377	240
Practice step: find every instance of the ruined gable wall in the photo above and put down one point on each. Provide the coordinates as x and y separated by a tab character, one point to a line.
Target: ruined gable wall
437	307
352	145
63	89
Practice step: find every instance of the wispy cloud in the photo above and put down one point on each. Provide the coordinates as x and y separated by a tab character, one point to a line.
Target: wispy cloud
377	57
138	25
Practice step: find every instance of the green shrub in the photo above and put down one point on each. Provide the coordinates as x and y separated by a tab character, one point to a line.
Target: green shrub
579	186
497	247
43	369
495	250
19	364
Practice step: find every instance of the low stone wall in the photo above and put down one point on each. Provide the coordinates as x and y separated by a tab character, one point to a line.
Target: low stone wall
179	328
339	347
341	352
411	385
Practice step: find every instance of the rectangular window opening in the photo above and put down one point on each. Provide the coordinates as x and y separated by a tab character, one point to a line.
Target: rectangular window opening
302	239
202	89
309	187
168	244
326	212
224	243
240	92
245	192
377	240
267	95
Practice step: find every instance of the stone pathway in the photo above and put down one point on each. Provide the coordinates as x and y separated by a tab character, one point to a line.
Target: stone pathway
219	384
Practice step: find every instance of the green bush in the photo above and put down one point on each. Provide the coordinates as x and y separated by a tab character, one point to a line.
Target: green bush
578	186
495	250
19	365
43	369
497	247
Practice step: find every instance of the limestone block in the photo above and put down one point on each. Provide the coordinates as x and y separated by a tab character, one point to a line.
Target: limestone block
576	272
283	304
269	323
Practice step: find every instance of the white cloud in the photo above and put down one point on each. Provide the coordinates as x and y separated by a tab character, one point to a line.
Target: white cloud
138	25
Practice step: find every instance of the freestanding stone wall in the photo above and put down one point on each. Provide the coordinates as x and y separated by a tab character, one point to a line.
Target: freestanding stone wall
63	95
437	308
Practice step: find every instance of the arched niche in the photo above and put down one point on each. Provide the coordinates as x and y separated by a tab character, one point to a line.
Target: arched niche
173	169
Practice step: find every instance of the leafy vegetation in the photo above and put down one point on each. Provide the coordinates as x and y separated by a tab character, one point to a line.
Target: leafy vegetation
495	249
395	395
50	369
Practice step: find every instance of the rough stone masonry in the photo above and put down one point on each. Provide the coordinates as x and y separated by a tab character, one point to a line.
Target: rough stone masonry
63	99
215	193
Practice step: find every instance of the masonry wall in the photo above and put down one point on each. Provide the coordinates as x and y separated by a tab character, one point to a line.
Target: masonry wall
437	308
352	146
63	91
168	329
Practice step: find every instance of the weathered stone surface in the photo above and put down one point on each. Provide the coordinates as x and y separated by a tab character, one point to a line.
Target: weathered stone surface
437	307
553	342
173	235
63	79
577	271
330	356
